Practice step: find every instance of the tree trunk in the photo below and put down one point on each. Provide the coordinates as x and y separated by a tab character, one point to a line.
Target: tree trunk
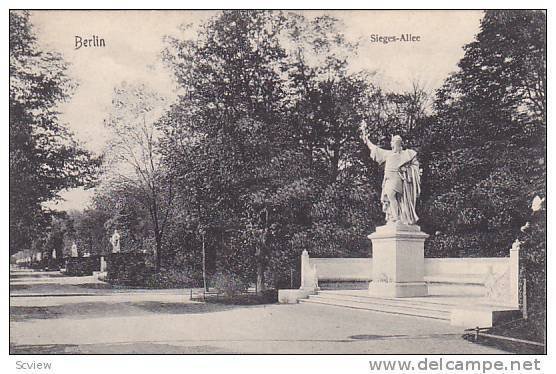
259	286
260	278
260	255
204	263
158	241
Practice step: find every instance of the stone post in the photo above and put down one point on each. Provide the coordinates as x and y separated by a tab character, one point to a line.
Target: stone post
102	264
398	261
309	280
514	275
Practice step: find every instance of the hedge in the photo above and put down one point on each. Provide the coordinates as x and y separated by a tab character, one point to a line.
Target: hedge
128	268
77	266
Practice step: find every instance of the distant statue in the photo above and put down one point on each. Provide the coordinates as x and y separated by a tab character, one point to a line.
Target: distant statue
115	241
74	252
54	254
401	185
537	203
525	227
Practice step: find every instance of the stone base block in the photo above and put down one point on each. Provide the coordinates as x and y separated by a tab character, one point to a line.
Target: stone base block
101	275
291	296
343	285
483	316
398	261
396	289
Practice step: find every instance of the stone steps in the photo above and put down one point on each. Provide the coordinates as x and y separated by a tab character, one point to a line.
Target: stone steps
464	311
437	311
411	302
453	289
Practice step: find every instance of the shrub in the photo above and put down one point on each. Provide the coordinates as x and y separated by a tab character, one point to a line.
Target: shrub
128	269
174	278
77	266
533	250
229	283
37	265
53	264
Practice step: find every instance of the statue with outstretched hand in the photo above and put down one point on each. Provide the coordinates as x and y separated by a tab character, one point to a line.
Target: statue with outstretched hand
401	185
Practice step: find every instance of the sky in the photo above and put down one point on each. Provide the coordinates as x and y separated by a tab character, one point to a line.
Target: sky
134	41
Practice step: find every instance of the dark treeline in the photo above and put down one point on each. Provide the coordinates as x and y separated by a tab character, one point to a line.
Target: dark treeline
260	157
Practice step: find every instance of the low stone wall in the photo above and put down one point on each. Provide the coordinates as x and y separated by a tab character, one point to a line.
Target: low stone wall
360	269
496	278
465	266
343	269
292	296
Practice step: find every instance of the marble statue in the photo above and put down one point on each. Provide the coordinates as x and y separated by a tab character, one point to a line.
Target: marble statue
536	205
402	179
115	241
74	252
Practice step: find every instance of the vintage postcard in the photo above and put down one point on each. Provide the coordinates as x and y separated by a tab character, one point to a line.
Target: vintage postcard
278	182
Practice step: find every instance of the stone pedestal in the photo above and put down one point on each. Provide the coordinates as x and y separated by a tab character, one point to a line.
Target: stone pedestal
309	283
398	261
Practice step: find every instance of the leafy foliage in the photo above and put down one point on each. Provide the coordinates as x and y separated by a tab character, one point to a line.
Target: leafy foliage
44	157
134	166
485	146
264	142
230	283
78	266
534	268
260	157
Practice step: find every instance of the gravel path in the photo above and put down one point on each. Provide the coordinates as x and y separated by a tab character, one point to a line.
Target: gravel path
165	321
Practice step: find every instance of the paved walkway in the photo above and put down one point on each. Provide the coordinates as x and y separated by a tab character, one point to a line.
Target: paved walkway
165	321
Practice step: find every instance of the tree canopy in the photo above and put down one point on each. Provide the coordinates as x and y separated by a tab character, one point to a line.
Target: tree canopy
260	156
487	140
44	156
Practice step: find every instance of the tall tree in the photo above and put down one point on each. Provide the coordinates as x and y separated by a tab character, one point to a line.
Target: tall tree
232	115
264	141
44	157
486	145
135	164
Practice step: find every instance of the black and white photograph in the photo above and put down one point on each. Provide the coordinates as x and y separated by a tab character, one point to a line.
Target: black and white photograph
277	182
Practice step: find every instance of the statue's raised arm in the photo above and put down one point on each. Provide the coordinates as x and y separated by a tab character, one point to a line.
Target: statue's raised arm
378	154
401	183
364	134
